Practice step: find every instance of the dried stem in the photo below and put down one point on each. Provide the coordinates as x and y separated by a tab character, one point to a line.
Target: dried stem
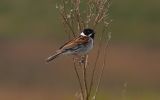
85	75
66	22
103	66
95	64
79	79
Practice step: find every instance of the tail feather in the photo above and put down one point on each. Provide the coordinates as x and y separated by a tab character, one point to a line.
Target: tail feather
52	57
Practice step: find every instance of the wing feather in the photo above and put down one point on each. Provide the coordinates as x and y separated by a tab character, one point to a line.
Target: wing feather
75	42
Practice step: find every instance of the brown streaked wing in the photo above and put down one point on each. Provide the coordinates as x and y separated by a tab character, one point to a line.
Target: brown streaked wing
74	42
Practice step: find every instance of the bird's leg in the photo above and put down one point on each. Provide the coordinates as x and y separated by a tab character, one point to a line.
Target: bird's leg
82	60
77	58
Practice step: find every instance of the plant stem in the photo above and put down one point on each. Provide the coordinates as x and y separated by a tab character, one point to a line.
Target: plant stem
85	76
95	65
102	68
79	80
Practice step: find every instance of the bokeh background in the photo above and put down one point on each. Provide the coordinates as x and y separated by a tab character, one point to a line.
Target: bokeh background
31	29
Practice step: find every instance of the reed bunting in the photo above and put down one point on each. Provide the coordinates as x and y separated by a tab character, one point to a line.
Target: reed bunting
77	46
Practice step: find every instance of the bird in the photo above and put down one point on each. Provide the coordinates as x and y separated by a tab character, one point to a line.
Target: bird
79	45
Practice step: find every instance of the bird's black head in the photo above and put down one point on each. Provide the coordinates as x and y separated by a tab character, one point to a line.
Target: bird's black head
88	32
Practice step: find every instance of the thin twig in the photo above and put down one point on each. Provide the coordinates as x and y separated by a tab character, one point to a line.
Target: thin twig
78	77
85	76
77	14
95	64
68	24
103	66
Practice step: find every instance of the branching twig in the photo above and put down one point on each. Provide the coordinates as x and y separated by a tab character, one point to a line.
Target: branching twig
66	22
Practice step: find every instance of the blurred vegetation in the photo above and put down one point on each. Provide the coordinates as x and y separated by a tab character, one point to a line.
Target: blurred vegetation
22	62
133	20
136	20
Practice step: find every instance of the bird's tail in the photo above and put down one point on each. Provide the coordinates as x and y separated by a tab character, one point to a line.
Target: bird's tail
55	55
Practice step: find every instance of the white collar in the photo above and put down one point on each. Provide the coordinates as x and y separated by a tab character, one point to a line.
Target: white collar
83	34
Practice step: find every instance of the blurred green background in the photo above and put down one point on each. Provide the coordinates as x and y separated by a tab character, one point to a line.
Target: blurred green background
31	29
